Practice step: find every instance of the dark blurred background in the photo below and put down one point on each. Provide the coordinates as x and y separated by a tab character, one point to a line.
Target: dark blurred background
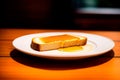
61	14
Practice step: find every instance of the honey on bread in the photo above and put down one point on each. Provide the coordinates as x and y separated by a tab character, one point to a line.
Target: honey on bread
57	41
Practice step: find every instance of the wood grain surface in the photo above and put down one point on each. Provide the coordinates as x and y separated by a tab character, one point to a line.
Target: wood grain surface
15	65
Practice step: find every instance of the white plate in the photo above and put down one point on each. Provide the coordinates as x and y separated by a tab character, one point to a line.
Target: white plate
98	45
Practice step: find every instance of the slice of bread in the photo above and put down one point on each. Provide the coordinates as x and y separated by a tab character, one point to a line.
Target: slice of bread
57	41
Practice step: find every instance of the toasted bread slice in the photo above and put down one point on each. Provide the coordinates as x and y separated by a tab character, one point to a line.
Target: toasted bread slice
58	41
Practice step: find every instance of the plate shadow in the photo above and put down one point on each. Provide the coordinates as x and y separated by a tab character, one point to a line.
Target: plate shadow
51	64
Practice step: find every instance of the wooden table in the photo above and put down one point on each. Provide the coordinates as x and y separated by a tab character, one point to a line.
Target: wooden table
15	65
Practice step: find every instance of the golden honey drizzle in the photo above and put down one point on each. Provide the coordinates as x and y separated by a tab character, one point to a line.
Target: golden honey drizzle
85	48
71	49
